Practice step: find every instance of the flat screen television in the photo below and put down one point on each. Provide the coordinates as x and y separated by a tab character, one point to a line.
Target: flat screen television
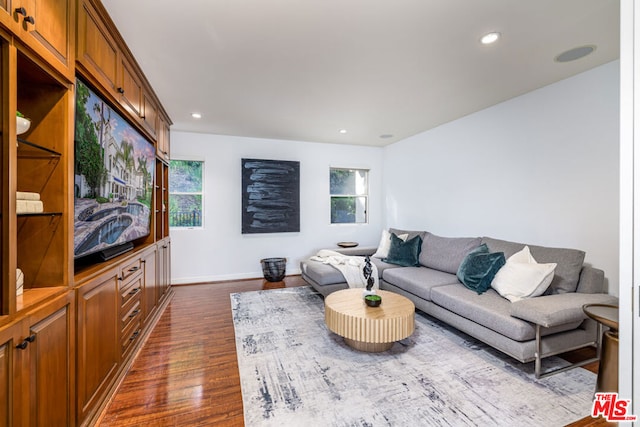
113	179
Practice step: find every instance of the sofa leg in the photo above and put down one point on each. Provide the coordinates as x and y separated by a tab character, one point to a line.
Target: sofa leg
538	360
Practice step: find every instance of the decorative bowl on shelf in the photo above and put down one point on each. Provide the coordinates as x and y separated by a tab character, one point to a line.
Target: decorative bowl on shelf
373	300
22	125
347	244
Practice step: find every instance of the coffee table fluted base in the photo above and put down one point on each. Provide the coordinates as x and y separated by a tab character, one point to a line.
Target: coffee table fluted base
370	329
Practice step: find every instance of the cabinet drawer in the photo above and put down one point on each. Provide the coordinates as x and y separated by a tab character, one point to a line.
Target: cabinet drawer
130	288
130	313
130	337
130	269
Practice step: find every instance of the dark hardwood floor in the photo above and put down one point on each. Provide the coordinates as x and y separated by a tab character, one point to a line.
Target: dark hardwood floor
187	374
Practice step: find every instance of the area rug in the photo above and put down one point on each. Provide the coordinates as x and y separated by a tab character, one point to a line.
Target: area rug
295	372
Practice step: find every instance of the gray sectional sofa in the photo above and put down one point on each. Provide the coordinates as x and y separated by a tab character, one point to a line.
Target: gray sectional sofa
527	330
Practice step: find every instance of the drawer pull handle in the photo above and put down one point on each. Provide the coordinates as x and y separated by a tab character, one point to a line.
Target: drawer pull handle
25	343
30	20
120	90
132	269
134	291
135	335
134	313
20	11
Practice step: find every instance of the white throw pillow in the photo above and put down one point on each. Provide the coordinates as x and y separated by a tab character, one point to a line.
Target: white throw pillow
385	244
522	277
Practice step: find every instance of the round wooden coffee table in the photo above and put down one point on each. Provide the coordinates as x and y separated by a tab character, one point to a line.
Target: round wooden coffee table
365	328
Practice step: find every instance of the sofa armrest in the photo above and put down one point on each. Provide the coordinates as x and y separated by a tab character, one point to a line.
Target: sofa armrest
358	250
557	309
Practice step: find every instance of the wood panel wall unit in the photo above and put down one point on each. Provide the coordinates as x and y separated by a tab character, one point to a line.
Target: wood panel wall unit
58	366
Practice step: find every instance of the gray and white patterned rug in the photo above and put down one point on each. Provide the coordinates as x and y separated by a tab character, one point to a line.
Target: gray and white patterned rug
295	372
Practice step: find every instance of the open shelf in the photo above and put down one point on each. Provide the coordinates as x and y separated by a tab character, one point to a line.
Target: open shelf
31	149
39	214
33	296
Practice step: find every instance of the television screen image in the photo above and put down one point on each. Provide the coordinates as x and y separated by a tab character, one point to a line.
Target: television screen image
114	169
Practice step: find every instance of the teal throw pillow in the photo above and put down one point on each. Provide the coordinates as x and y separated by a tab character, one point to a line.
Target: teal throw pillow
479	267
404	253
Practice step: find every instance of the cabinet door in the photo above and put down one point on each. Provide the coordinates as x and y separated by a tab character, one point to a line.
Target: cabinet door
164	267
6	20
130	89
97	51
150	296
51	364
46	26
98	347
149	114
163	138
9	383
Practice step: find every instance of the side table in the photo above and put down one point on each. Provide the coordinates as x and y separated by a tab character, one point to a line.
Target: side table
606	315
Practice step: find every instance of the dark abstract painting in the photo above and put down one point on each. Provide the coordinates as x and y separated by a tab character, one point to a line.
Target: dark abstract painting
270	196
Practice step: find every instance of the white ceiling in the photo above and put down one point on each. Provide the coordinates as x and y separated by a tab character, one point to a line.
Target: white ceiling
304	69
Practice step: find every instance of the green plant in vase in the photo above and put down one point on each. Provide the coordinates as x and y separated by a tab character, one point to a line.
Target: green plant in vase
22	123
373	300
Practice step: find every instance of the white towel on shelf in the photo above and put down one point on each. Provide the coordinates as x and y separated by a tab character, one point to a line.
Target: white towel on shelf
19	281
29	206
25	195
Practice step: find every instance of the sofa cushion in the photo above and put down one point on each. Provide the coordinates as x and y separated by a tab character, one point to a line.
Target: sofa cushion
326	274
552	310
418	280
522	277
479	267
404	253
446	253
489	310
567	272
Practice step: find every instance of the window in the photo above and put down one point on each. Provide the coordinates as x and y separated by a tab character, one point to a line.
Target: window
185	193
349	195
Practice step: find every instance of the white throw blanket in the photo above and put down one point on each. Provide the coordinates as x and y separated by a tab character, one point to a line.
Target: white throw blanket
350	266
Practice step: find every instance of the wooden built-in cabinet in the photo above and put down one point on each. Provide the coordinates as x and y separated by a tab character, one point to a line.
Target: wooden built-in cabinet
47	27
37	326
73	332
118	303
36	366
105	61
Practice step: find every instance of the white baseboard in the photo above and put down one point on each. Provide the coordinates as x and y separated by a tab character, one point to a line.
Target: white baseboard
221	278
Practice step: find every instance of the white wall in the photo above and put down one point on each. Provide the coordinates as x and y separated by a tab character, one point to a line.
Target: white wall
220	251
542	168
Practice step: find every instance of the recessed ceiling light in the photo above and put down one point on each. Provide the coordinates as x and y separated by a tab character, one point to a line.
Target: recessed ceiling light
196	115
490	38
343	131
575	53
